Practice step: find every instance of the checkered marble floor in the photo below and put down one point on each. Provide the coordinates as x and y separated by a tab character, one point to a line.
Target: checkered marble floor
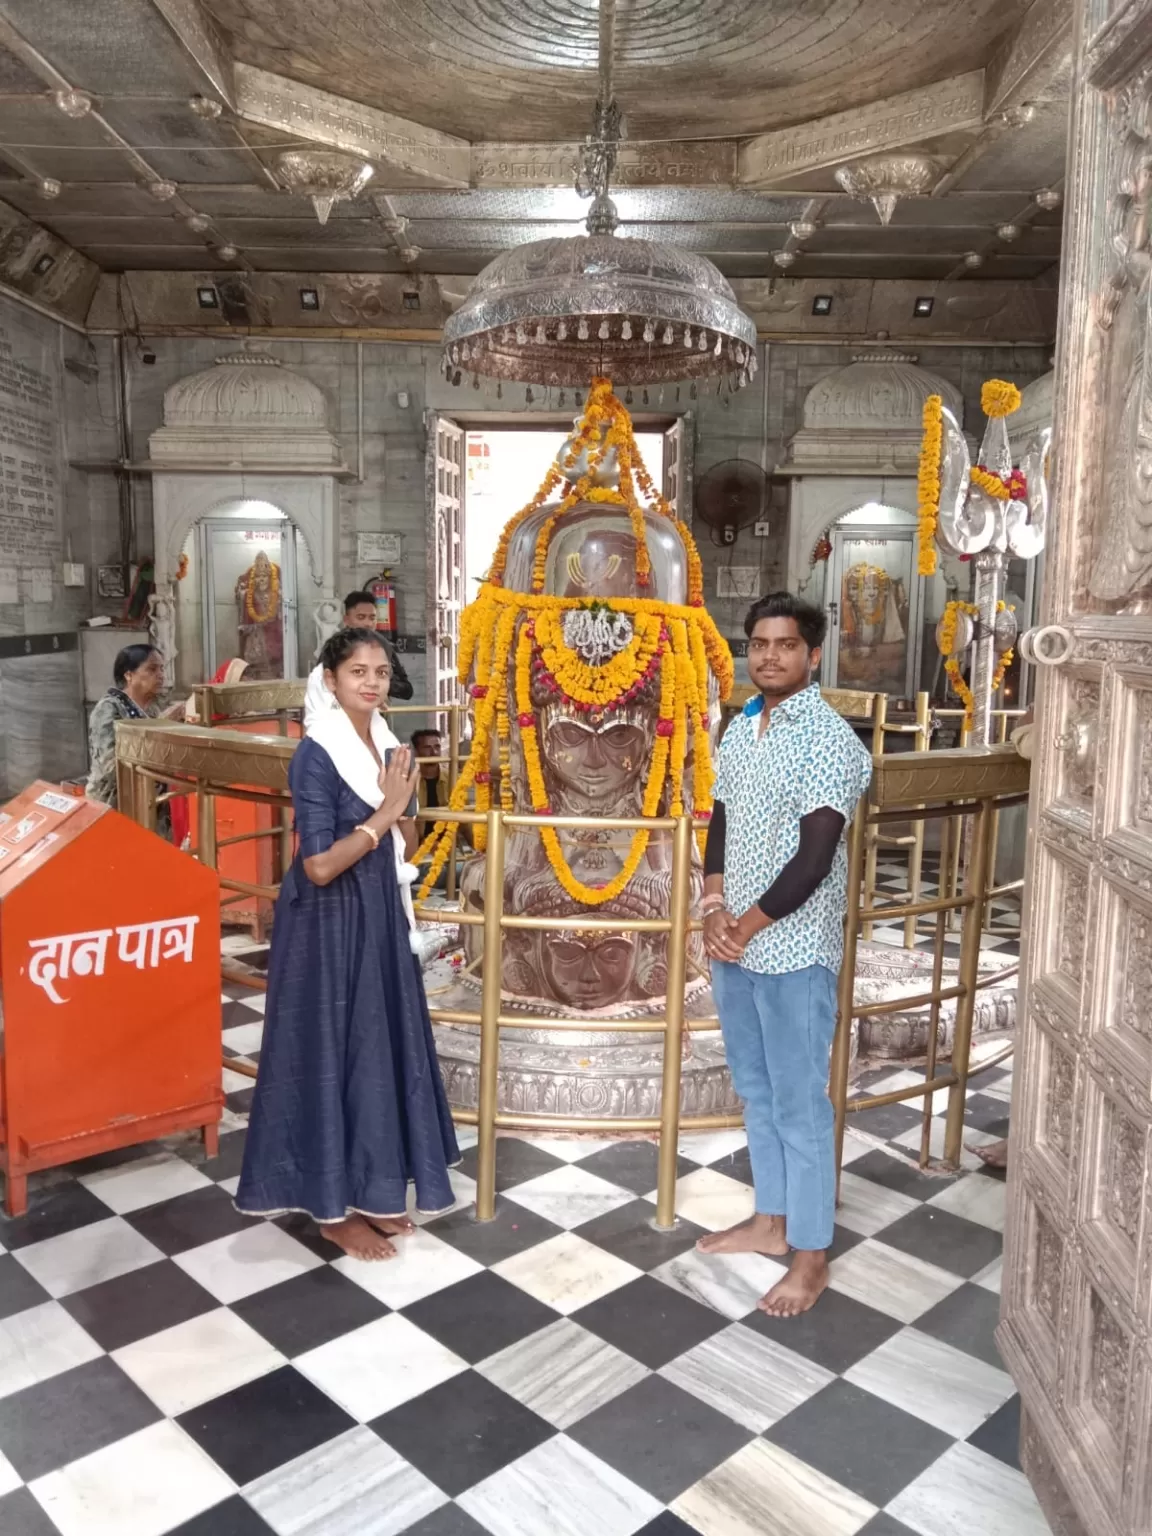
167	1366
1002	930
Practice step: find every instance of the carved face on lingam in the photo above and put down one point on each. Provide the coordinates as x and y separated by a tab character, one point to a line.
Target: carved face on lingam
586	641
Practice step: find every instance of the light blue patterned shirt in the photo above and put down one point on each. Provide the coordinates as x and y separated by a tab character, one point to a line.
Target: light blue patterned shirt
807	757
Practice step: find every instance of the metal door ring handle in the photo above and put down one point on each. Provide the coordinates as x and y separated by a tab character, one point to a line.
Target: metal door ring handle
1051	645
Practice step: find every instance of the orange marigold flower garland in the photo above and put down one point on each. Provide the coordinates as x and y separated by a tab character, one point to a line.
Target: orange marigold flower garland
928	483
588	895
679	645
257	615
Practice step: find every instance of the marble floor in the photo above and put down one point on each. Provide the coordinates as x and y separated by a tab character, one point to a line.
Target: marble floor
169	1368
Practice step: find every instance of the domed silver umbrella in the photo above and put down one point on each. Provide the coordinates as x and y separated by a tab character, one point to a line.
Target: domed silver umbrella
561	311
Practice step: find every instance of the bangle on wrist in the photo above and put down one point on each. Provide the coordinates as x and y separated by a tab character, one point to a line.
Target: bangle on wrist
709	904
368	832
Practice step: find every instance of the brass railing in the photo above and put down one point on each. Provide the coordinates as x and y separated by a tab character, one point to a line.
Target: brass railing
947	787
922	786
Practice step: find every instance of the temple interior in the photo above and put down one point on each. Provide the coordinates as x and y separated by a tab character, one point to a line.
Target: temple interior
558	336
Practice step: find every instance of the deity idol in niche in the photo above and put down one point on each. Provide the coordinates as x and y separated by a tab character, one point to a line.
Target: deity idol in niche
258	603
872	607
594	699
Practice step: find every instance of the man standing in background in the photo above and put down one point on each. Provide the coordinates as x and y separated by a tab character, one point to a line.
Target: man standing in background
359	613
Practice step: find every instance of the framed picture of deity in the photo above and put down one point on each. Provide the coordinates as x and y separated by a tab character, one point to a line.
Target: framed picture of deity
873	600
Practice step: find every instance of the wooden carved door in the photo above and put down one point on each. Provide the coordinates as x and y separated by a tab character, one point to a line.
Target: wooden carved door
1077	1295
445	556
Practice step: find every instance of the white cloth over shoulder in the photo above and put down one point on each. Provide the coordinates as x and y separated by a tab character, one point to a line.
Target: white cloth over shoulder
333	730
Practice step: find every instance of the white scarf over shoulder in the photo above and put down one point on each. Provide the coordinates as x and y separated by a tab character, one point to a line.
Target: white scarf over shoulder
333	730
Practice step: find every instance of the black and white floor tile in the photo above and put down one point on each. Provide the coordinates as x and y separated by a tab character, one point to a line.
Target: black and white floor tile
169	1368
1002	922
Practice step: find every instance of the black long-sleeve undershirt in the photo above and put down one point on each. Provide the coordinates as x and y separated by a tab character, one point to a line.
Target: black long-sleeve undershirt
401	686
811	863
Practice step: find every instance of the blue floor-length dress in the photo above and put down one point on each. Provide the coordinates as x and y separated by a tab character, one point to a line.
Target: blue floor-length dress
349	1106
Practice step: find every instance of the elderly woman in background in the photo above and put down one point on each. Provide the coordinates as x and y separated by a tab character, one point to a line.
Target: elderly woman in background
138	678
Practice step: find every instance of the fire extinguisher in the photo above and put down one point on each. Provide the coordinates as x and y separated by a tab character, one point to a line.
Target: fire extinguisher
383	589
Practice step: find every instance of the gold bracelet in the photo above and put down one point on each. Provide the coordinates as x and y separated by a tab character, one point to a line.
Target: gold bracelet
368	832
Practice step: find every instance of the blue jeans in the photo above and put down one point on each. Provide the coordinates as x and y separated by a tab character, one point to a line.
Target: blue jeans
778	1034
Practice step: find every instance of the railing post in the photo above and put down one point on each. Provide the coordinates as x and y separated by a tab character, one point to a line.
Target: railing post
453	774
916	856
846	985
489	1020
968	974
872	834
674	1023
206	826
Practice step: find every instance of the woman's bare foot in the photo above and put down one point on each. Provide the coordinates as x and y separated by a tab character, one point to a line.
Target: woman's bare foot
392	1226
358	1239
801	1287
759	1234
994	1155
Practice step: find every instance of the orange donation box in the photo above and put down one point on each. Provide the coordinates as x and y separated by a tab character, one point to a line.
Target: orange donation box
109	986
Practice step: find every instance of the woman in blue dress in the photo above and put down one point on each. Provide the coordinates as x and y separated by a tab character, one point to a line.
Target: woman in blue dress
349	1107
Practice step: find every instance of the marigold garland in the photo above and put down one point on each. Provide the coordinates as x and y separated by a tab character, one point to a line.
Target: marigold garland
255	614
678	646
497	619
928	483
947	642
1014	488
605	425
999	398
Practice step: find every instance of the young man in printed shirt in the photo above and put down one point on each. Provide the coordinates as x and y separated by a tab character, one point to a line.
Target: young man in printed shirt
775	892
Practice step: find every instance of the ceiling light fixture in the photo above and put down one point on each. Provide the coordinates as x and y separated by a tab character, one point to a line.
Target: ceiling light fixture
309	298
884	179
1048	198
162	191
922	308
802	229
559	311
973	259
785	258
323	176
72	103
1008	232
227	252
198	223
205	107
207	298
822	304
49	187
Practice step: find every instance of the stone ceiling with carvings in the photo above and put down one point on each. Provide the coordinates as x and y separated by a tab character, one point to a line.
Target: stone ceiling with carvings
149	138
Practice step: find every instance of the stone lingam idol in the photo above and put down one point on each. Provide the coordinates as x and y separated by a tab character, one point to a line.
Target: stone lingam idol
596	675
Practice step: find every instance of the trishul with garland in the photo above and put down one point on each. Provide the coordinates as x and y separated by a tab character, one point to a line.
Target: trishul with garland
984	511
521	646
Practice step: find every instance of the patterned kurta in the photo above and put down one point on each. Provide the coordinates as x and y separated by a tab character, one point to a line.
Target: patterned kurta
807	757
115	705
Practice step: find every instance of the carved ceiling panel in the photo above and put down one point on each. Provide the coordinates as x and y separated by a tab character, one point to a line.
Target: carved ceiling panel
737	114
727	66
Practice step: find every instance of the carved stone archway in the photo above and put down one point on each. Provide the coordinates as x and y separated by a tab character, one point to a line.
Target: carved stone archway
246	429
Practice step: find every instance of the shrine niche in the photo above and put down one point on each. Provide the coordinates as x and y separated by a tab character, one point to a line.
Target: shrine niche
245	506
853	520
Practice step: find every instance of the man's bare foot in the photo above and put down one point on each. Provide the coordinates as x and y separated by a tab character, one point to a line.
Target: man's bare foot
759	1234
994	1155
358	1239
800	1288
392	1226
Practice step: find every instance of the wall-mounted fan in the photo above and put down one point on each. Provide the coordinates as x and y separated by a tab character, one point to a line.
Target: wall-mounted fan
730	496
